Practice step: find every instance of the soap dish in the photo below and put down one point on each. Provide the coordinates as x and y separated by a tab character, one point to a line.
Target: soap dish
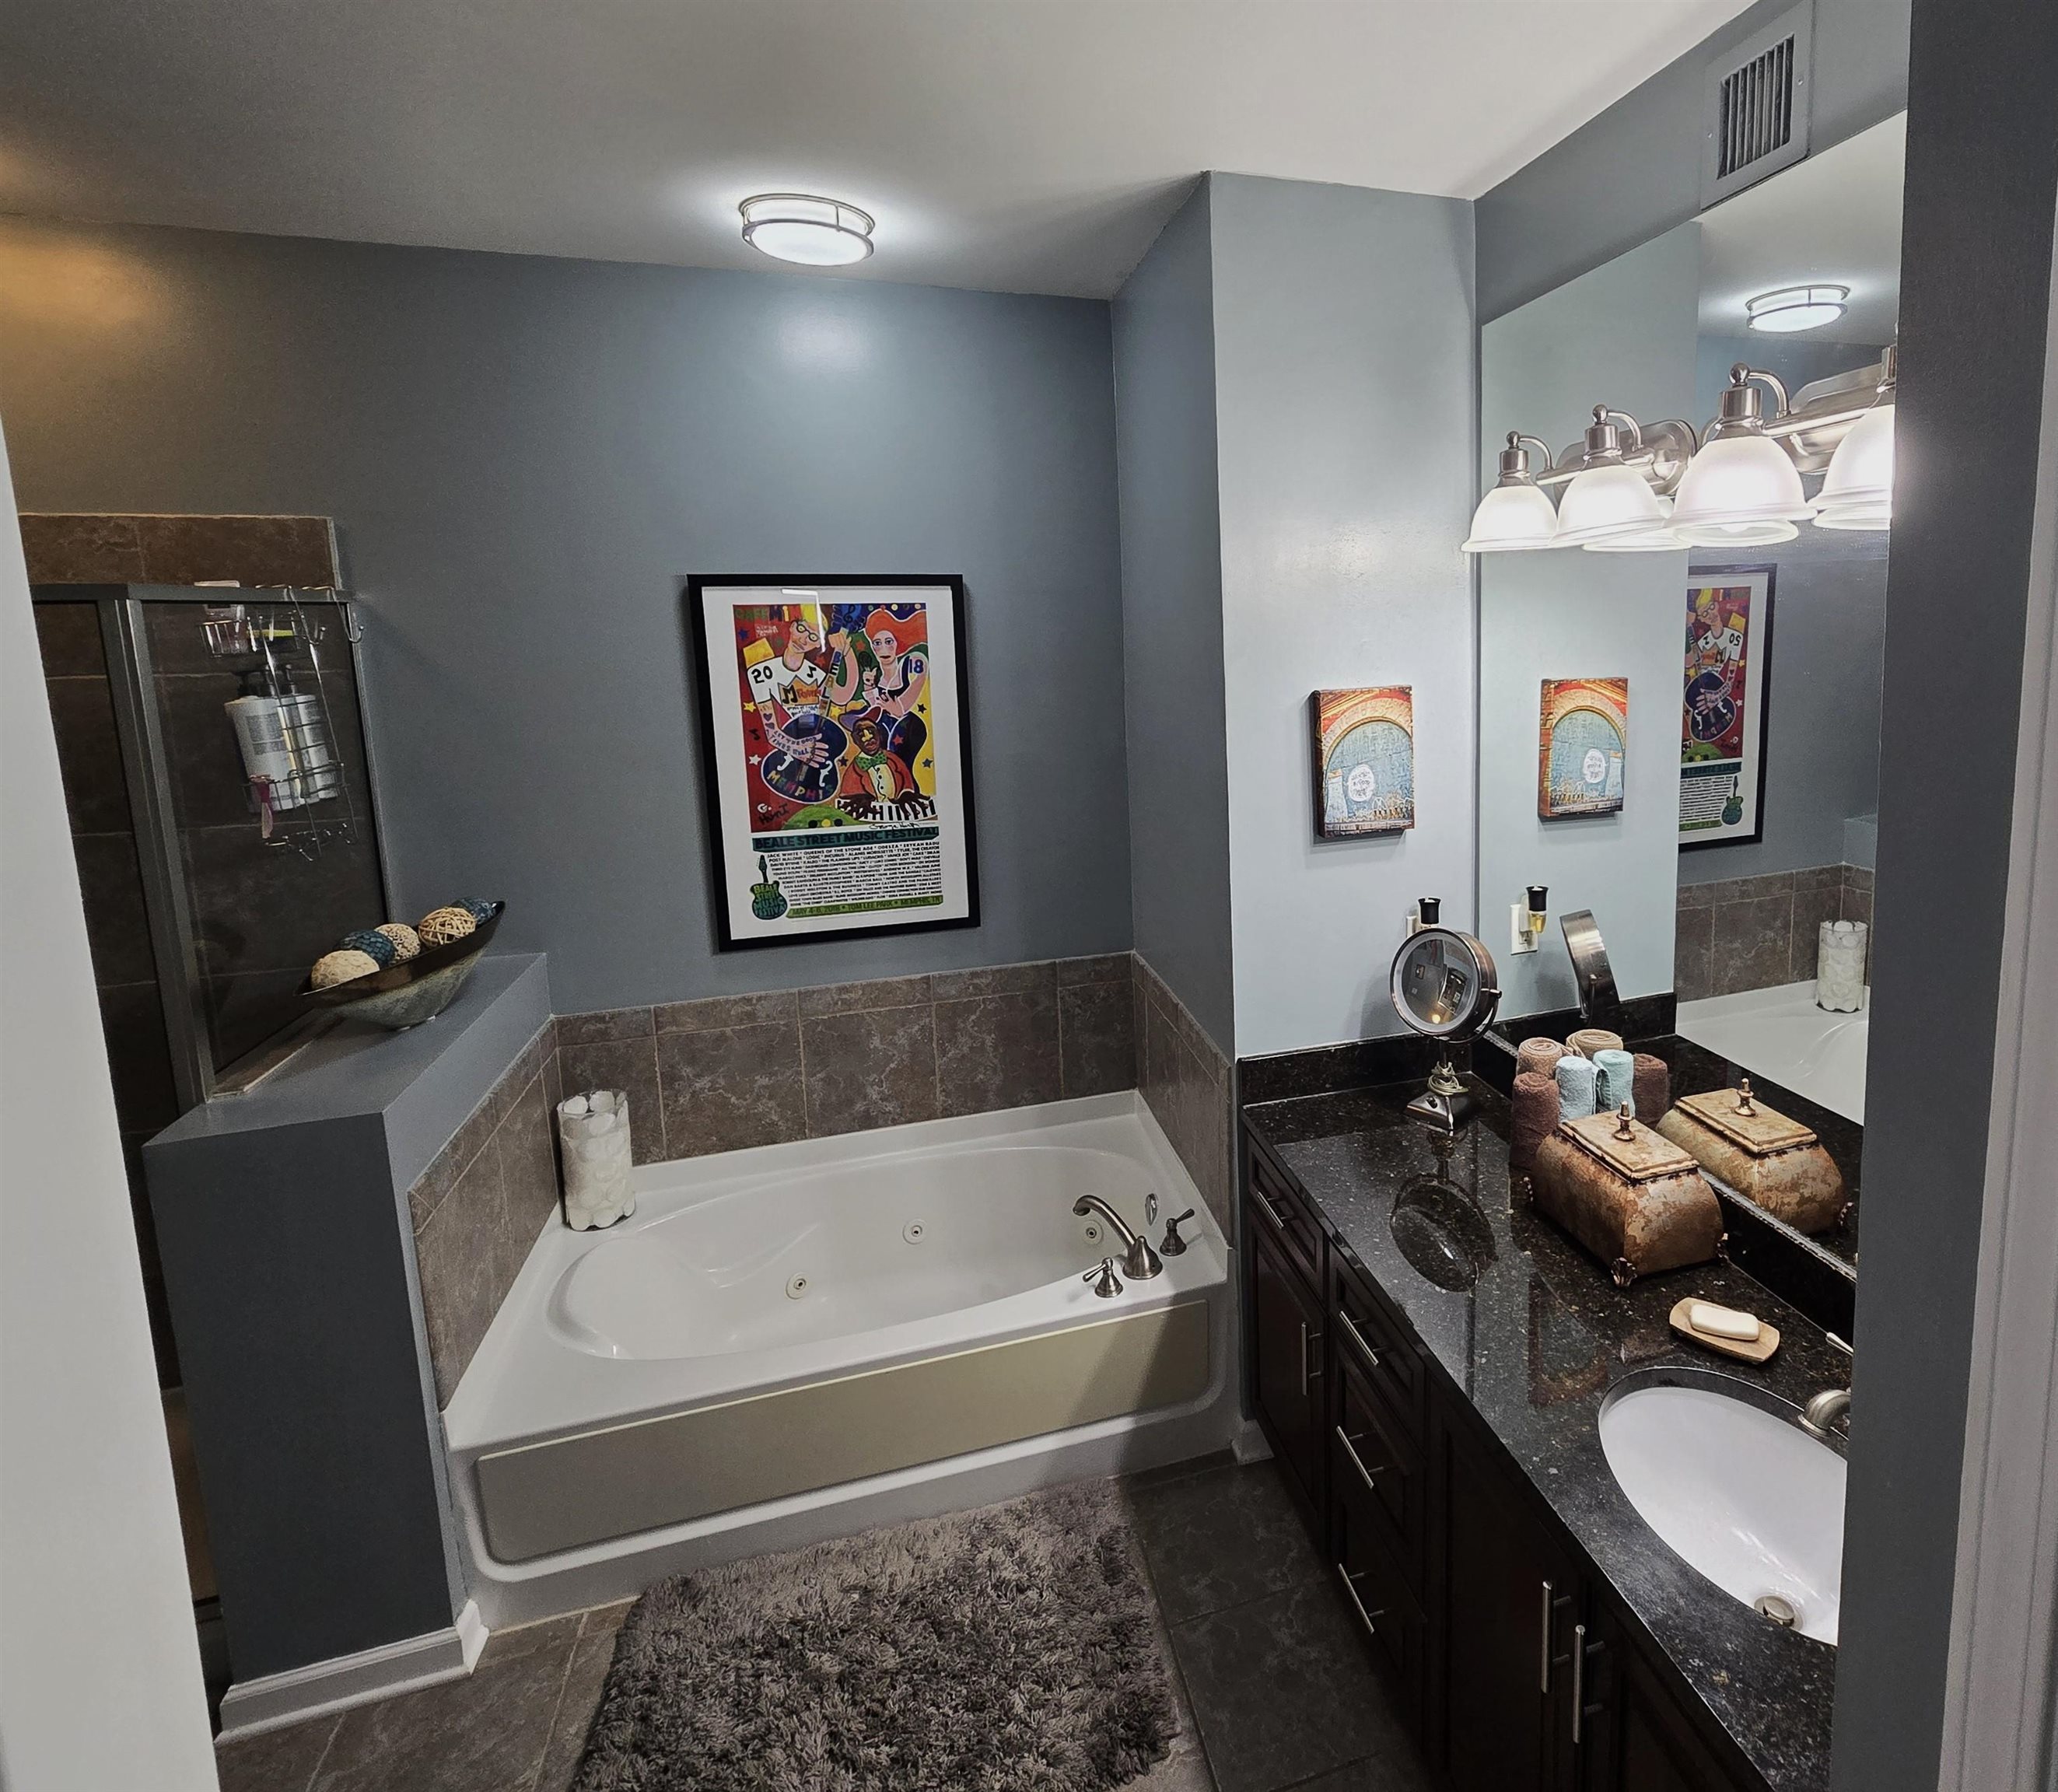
1757	1351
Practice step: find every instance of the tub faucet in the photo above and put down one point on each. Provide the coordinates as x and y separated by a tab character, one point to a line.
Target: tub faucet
1139	1261
1824	1409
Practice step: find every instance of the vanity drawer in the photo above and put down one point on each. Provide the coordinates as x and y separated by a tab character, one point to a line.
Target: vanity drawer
1375	1344
1277	1206
1371	1458
1376	1596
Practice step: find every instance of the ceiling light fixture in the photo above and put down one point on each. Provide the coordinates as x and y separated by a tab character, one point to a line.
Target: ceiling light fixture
1797	307
1517	513
802	227
1742	489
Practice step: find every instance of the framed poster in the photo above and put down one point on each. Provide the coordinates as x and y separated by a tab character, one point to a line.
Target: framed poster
1365	760
1722	718
1582	747
836	754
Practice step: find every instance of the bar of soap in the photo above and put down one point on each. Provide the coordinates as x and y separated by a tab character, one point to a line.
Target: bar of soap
1723	1322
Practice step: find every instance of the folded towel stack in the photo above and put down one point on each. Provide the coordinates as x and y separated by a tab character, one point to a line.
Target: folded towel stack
1577	1087
1653	1088
1535	1114
1540	1055
1615	1080
1589	1040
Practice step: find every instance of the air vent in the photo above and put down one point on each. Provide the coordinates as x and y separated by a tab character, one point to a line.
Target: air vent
1758	96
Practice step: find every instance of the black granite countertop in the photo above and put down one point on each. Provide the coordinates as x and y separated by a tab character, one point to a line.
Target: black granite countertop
1534	1345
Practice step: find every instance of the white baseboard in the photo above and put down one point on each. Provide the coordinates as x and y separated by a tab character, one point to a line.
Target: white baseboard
250	1707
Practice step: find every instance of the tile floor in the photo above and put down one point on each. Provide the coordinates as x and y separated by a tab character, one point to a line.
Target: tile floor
1276	1692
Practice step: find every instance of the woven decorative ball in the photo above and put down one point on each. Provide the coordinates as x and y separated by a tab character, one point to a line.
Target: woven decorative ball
406	943
472	906
375	946
341	967
444	926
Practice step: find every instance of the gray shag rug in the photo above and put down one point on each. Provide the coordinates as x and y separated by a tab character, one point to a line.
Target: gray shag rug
1011	1650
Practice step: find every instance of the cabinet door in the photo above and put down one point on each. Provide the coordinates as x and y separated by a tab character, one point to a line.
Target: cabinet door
1513	1607
1286	1341
1638	1739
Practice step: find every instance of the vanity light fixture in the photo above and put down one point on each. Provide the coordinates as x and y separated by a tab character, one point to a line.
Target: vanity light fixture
1797	307
1517	513
1858	491
1607	499
1658	539
804	228
1742	488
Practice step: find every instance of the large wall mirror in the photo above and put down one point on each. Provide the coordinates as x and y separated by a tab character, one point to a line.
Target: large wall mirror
1680	707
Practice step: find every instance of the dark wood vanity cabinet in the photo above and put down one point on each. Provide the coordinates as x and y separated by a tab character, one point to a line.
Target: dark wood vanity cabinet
1502	1652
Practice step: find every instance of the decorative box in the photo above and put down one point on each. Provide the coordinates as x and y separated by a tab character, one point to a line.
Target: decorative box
1635	1200
1777	1162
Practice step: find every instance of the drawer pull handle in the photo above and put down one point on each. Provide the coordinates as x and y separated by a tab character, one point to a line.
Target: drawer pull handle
1350	1587
1358	1338
1271	1212
1307	1374
1543	1642
1579	1679
1357	1461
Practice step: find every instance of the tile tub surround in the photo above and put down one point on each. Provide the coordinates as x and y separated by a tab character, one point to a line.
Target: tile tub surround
1757	932
1188	1085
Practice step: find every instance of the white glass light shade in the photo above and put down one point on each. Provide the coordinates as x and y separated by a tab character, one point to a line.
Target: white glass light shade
1797	307
800	227
1603	502
1511	516
1738	482
1857	516
1659	538
1861	473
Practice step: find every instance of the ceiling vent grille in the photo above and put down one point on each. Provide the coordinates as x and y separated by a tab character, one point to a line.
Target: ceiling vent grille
1759	103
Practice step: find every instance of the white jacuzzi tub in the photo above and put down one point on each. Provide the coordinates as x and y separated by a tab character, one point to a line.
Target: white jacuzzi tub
1784	1037
806	1340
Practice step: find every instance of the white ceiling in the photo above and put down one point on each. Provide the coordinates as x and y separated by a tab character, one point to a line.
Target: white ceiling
1835	216
1017	144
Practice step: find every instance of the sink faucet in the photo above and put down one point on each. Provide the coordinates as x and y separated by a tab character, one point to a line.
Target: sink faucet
1139	1261
1824	1409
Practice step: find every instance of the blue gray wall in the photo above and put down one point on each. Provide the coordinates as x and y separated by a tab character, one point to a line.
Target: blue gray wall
1634	171
526	457
1172	617
1346	406
1621	335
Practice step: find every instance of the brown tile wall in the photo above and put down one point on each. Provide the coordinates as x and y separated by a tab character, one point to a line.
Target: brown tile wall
733	1071
66	549
1755	932
1189	1085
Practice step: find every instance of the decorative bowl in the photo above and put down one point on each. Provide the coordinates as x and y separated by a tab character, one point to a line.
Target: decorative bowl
404	996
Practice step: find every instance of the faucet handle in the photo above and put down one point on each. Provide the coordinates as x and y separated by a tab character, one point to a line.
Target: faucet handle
1150	1208
1175	1246
1106	1282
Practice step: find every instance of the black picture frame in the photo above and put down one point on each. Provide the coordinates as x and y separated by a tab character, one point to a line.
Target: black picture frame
1706	575
694	603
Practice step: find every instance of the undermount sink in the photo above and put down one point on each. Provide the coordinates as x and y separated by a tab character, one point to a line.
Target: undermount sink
1743	1495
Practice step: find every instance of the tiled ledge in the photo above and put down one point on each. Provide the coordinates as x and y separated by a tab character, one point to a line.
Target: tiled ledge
1186	1083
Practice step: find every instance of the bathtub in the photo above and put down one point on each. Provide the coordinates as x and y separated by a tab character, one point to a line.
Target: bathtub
1784	1037
807	1340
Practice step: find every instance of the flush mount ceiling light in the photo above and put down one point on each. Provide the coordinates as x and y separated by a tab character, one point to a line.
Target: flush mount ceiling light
1517	513
802	227
1797	307
1742	489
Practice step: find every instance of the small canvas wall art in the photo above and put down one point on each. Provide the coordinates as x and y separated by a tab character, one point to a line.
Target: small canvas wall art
1365	760
1722	723
1582	747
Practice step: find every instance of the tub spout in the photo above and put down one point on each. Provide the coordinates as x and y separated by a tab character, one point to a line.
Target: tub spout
1139	1261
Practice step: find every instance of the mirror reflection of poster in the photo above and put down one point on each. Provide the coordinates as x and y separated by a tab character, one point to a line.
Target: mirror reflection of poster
836	754
1721	738
1582	746
1365	760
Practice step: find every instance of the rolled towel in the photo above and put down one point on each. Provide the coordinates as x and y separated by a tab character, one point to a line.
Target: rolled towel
1589	1040
1616	1083
1577	1079
1540	1055
1653	1088
1535	1114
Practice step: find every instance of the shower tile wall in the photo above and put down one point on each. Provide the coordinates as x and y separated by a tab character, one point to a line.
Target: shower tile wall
733	1071
1189	1085
104	843
1757	932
